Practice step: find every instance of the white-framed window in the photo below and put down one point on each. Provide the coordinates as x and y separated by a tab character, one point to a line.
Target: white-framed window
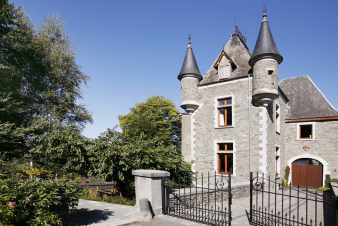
277	119
224	112
225	158
306	131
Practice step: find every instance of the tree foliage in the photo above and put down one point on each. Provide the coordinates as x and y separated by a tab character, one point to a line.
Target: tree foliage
31	196
64	76
157	119
40	81
20	70
148	140
116	156
36	202
62	150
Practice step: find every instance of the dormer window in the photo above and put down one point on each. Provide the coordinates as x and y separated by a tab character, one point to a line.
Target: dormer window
224	70
225	67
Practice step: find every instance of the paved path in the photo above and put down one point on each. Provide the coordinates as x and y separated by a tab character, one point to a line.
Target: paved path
163	220
101	214
106	214
238	207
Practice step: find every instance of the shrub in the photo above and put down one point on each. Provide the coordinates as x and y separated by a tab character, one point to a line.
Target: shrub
36	202
285	181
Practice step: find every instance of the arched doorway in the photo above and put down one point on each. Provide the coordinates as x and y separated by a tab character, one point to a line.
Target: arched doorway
307	172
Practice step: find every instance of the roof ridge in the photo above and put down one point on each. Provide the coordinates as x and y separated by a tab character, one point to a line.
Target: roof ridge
323	94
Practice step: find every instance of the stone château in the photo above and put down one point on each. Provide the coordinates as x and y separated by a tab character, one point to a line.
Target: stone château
239	117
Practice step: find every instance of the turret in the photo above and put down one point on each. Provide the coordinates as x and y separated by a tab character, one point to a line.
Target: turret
189	77
265	61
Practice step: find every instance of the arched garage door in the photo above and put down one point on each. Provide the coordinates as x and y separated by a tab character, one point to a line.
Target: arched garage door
307	172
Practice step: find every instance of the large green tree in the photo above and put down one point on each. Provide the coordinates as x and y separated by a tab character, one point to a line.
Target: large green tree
149	139
157	119
40	81
63	74
21	79
21	70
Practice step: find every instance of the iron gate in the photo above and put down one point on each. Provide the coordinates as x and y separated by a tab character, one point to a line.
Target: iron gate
272	204
204	199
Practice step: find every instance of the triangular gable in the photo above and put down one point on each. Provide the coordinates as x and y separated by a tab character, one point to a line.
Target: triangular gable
237	52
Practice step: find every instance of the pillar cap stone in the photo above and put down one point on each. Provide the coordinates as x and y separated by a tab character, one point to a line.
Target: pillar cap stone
150	173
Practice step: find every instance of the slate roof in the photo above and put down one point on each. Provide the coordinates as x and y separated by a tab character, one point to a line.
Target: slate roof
265	45
189	67
305	99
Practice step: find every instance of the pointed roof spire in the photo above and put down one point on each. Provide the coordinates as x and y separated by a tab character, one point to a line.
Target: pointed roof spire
189	67
237	32
189	41
265	44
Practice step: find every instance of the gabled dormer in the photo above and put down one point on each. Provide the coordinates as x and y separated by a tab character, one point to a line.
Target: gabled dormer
224	66
231	62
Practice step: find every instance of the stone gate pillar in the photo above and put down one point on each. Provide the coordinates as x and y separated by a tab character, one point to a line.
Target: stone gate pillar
148	185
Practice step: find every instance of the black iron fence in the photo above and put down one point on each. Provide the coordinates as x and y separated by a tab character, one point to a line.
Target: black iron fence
330	205
273	203
202	198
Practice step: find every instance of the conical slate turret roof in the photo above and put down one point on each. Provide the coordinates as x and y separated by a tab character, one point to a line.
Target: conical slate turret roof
265	44
189	67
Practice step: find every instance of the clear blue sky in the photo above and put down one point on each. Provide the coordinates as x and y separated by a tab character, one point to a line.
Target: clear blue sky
133	49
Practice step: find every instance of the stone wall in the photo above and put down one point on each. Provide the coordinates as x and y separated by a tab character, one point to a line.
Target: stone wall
323	147
265	83
189	93
186	137
280	141
206	134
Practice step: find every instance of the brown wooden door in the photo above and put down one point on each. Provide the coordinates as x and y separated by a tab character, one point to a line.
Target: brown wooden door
307	175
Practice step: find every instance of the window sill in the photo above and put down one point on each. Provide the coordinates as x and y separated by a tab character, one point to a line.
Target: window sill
224	174
224	127
305	139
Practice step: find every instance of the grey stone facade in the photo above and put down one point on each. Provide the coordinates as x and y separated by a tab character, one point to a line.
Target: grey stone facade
324	146
206	134
200	134
253	131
